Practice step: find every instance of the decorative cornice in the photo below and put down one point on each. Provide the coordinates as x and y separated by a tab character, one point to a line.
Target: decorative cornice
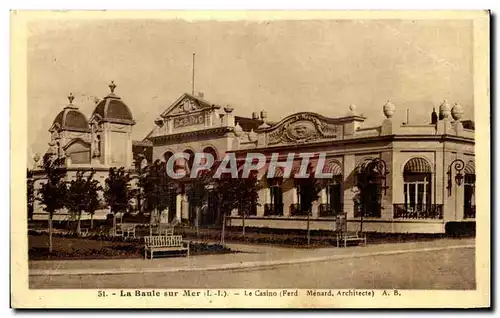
118	121
201	132
363	140
337	120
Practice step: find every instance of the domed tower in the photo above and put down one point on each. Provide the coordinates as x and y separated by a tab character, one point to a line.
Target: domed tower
111	125
70	135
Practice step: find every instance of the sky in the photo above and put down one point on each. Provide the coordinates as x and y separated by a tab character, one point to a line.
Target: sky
283	67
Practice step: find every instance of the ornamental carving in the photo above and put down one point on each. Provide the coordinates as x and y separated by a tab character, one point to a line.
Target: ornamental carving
187	105
301	128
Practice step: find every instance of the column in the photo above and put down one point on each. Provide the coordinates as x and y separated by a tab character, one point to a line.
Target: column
386	199
289	197
262	199
322	196
321	200
295	198
169	123
185	207
129	151
348	179
178	206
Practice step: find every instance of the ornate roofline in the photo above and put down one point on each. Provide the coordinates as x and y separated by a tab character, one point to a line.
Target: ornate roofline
337	120
204	103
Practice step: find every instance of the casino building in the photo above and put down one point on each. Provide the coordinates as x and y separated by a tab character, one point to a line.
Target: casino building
414	178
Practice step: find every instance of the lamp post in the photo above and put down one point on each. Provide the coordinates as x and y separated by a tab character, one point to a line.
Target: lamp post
458	165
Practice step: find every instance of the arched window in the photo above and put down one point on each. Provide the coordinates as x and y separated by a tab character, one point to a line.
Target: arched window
333	190
211	151
190	160
417	176
167	155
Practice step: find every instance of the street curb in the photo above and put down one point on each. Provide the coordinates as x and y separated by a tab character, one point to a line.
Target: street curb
233	266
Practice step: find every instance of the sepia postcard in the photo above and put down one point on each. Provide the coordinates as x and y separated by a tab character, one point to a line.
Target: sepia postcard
250	159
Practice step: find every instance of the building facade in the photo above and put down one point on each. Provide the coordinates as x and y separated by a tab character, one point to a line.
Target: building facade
391	178
421	177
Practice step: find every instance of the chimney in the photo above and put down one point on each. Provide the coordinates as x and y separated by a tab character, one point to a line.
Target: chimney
434	116
255	115
263	115
201	95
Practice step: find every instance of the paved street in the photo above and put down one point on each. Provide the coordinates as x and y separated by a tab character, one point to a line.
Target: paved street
438	269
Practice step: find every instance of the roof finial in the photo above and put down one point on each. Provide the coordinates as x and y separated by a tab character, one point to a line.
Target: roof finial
71	98
112	87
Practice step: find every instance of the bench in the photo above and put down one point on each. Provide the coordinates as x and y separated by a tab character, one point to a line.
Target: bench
84	231
126	229
163	229
350	237
164	244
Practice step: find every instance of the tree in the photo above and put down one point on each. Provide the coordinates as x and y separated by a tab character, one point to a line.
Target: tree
82	195
247	191
198	191
158	189
30	193
236	193
309	189
93	201
53	192
118	192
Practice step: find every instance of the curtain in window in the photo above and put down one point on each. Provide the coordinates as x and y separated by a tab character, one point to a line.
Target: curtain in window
417	191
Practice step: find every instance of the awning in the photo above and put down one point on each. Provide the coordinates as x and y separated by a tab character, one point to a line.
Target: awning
278	173
470	168
417	165
332	166
296	168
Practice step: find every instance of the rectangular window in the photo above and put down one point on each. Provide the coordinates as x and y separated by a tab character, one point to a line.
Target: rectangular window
417	192
334	197
276	198
411	195
420	196
469	188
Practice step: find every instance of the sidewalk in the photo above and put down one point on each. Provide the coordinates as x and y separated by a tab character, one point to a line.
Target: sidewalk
250	256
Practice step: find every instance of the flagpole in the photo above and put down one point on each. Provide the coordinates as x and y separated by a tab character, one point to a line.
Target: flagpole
192	81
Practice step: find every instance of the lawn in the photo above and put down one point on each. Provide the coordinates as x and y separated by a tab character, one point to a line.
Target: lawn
296	238
67	248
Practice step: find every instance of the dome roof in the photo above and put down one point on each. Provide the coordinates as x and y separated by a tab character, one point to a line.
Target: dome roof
70	118
112	109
